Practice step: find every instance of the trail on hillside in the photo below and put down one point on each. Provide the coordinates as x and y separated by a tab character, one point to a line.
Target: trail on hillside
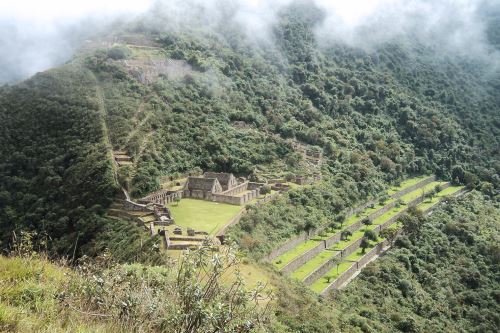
107	141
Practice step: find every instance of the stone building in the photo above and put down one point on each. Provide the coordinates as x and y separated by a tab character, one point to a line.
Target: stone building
201	188
226	180
221	187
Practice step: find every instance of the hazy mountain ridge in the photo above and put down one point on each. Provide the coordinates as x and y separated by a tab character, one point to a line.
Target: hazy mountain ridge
238	106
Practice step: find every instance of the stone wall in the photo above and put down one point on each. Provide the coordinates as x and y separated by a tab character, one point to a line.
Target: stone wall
333	239
288	245
414	187
351	248
236	190
164	197
341	279
236	200
255	186
322	270
377	249
134	206
302	259
231	222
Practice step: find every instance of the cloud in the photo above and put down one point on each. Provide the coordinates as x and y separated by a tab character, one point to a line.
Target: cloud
36	35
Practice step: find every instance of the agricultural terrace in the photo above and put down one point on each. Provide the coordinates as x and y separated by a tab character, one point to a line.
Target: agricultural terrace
322	283
302	248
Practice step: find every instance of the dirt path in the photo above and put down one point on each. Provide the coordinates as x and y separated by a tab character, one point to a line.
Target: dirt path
105	131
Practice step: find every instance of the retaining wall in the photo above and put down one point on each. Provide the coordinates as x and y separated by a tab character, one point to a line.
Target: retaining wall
322	270
414	187
236	190
231	222
134	206
302	259
341	279
377	249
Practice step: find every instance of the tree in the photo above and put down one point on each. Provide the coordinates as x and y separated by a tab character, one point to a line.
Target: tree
177	200
390	234
412	221
340	219
370	235
365	243
366	221
266	189
336	261
344	235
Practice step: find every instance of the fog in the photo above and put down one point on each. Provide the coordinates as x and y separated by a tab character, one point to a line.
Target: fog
36	35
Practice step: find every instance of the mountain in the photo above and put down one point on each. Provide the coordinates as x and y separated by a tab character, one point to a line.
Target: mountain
174	102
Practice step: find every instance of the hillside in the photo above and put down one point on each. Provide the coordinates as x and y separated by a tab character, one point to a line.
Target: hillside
142	108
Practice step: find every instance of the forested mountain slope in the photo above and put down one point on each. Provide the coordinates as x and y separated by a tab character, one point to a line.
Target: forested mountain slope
377	116
211	99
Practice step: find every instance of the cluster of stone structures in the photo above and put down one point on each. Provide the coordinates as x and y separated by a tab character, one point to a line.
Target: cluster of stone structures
162	197
221	187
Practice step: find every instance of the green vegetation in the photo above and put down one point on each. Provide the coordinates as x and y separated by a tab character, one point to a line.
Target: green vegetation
329	277
102	296
398	110
406	183
427	189
203	215
440	195
302	248
312	264
449	265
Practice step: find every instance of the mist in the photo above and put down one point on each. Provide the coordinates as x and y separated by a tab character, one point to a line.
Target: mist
38	35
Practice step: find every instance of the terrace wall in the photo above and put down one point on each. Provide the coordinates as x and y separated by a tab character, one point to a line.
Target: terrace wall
414	187
236	190
134	206
302	259
322	270
341	279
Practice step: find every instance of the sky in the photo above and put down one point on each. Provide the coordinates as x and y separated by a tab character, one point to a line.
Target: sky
38	34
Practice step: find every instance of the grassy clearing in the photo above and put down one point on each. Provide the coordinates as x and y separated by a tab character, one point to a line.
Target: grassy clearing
297	251
203	215
407	183
387	215
435	200
334	273
312	264
421	191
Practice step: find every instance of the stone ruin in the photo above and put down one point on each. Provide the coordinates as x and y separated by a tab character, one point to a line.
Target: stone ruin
221	187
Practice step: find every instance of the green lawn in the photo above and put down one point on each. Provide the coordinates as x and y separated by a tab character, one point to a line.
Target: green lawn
300	249
334	273
418	192
203	215
407	183
387	215
312	264
358	254
435	200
